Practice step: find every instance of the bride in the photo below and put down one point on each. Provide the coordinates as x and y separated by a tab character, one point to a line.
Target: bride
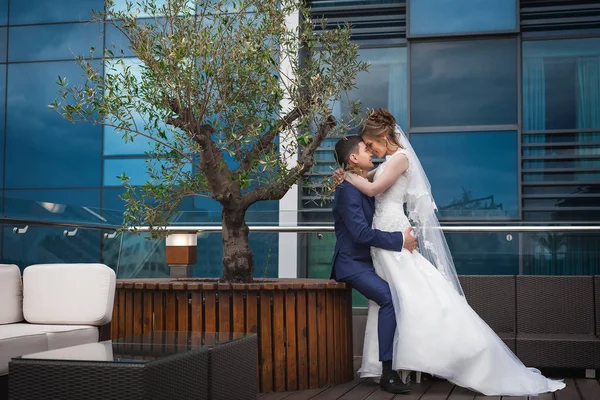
437	331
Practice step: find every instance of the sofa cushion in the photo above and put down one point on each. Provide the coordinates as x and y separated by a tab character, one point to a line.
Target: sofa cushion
68	294
11	294
20	339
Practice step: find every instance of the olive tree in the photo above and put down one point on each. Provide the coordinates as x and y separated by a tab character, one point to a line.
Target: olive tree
234	98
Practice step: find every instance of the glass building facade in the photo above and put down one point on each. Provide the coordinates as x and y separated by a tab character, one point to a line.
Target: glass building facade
500	98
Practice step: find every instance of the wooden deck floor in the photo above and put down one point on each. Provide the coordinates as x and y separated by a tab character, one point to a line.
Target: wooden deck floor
359	389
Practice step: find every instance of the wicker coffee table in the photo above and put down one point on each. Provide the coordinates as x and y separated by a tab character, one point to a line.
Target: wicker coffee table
159	365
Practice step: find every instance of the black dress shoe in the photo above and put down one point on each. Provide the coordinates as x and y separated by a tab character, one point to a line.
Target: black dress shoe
393	384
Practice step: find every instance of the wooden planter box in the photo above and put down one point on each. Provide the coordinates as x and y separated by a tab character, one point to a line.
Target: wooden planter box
304	326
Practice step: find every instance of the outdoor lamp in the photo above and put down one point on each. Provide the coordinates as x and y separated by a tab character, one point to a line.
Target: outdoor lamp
181	253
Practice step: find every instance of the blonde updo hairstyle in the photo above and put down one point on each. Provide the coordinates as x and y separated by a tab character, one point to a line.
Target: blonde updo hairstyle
380	125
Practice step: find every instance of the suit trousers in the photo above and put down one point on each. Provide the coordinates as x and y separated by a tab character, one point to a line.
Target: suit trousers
373	287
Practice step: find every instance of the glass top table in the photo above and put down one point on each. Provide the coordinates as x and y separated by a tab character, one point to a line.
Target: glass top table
139	348
153	366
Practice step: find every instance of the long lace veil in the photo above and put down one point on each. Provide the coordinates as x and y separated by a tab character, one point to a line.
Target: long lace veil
421	211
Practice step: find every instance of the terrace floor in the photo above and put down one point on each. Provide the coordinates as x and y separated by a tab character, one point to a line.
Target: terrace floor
366	389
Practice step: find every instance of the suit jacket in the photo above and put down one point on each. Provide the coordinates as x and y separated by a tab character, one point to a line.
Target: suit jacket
353	217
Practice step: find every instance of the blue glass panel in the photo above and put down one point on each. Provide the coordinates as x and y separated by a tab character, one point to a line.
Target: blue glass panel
458	16
113	139
49	245
40	245
472	174
2	116
135	256
54	205
464	83
483	253
37	11
54	42
42	149
117	42
561	82
3	12
383	86
3	39
134	168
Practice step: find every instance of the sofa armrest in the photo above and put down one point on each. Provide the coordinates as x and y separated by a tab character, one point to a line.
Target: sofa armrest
68	294
11	294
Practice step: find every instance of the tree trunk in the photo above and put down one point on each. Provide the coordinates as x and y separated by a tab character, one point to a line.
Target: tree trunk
238	263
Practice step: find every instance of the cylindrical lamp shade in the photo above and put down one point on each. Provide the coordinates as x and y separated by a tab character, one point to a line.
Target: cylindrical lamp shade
181	249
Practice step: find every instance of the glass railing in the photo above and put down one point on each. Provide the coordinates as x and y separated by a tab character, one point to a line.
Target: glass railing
35	232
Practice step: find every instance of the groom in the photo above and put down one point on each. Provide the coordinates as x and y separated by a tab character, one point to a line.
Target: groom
352	263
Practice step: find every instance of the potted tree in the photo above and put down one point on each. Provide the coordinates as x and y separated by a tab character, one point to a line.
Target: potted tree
228	91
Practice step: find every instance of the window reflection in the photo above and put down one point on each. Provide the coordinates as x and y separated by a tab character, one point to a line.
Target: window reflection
38	11
464	83
3	12
3	44
472	175
2	116
561	82
383	86
42	149
134	168
54	42
484	253
458	16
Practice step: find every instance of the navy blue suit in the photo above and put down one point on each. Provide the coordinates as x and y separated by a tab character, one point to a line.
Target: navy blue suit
352	263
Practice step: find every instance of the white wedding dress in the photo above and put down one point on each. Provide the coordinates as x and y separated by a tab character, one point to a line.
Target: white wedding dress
437	331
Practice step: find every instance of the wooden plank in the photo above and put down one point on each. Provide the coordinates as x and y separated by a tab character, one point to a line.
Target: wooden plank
238	311
197	311
274	396
290	340
148	297
546	396
461	393
138	312
183	306
439	390
335	392
279	341
224	311
114	323
516	398
305	394
343	338
252	322
588	388
170	311
417	390
313	350
350	336
569	392
330	340
337	329
159	311
210	311
301	340
480	396
266	345
322	337
366	388
128	312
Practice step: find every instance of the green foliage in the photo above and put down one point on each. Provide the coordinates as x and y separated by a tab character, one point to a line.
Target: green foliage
215	78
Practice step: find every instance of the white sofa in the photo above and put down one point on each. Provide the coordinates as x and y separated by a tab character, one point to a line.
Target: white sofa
53	306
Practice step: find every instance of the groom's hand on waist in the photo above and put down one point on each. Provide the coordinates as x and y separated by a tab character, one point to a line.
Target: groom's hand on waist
410	240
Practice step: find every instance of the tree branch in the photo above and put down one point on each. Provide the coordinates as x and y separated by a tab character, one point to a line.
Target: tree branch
276	190
265	144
